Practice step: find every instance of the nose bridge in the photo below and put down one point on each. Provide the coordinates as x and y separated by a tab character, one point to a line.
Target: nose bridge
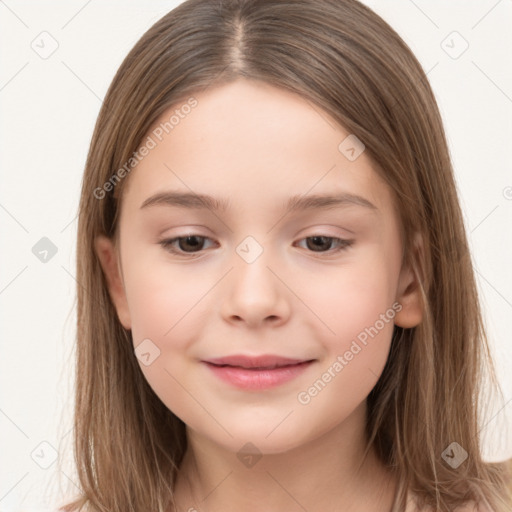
254	292
250	249
251	265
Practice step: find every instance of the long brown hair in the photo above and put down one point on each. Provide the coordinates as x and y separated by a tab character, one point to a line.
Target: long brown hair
348	62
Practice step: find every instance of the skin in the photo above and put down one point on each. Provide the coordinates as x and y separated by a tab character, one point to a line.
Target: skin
259	145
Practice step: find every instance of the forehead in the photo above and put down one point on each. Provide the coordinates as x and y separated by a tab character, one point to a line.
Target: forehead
254	143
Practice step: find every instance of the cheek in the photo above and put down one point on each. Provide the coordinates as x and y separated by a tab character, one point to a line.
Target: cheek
164	309
355	306
168	307
350	298
359	309
162	301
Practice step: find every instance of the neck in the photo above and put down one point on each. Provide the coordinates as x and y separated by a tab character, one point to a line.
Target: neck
328	473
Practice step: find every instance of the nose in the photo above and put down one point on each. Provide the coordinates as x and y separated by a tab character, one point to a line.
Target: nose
255	294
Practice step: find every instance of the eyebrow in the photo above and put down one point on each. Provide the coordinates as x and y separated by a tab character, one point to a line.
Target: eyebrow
295	203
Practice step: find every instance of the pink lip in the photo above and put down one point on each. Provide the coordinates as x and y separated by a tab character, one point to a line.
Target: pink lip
260	372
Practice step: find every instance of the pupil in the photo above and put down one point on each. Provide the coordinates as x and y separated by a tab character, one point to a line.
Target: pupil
187	241
319	238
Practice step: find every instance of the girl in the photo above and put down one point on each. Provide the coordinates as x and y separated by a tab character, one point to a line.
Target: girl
226	359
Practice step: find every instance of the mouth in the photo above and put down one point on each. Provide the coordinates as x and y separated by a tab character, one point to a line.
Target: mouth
263	362
257	373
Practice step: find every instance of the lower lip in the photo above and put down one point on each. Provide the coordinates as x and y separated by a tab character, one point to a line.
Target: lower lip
246	378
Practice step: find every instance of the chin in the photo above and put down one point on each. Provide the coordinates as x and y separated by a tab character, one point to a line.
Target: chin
258	439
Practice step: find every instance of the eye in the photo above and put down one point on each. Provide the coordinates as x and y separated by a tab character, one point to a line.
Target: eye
189	244
193	244
320	241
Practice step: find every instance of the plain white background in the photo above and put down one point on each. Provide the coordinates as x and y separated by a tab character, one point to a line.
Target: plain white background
49	107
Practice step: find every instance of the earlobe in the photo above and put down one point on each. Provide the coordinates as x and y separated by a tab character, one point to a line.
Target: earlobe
409	293
109	261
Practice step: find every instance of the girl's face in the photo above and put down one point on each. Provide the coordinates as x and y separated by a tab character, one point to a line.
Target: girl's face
307	278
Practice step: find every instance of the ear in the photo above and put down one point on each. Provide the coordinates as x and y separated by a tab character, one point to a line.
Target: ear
408	292
110	264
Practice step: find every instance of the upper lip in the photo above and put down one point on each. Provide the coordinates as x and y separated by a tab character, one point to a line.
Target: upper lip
263	361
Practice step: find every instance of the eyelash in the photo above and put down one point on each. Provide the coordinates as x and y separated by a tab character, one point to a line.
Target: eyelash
168	245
